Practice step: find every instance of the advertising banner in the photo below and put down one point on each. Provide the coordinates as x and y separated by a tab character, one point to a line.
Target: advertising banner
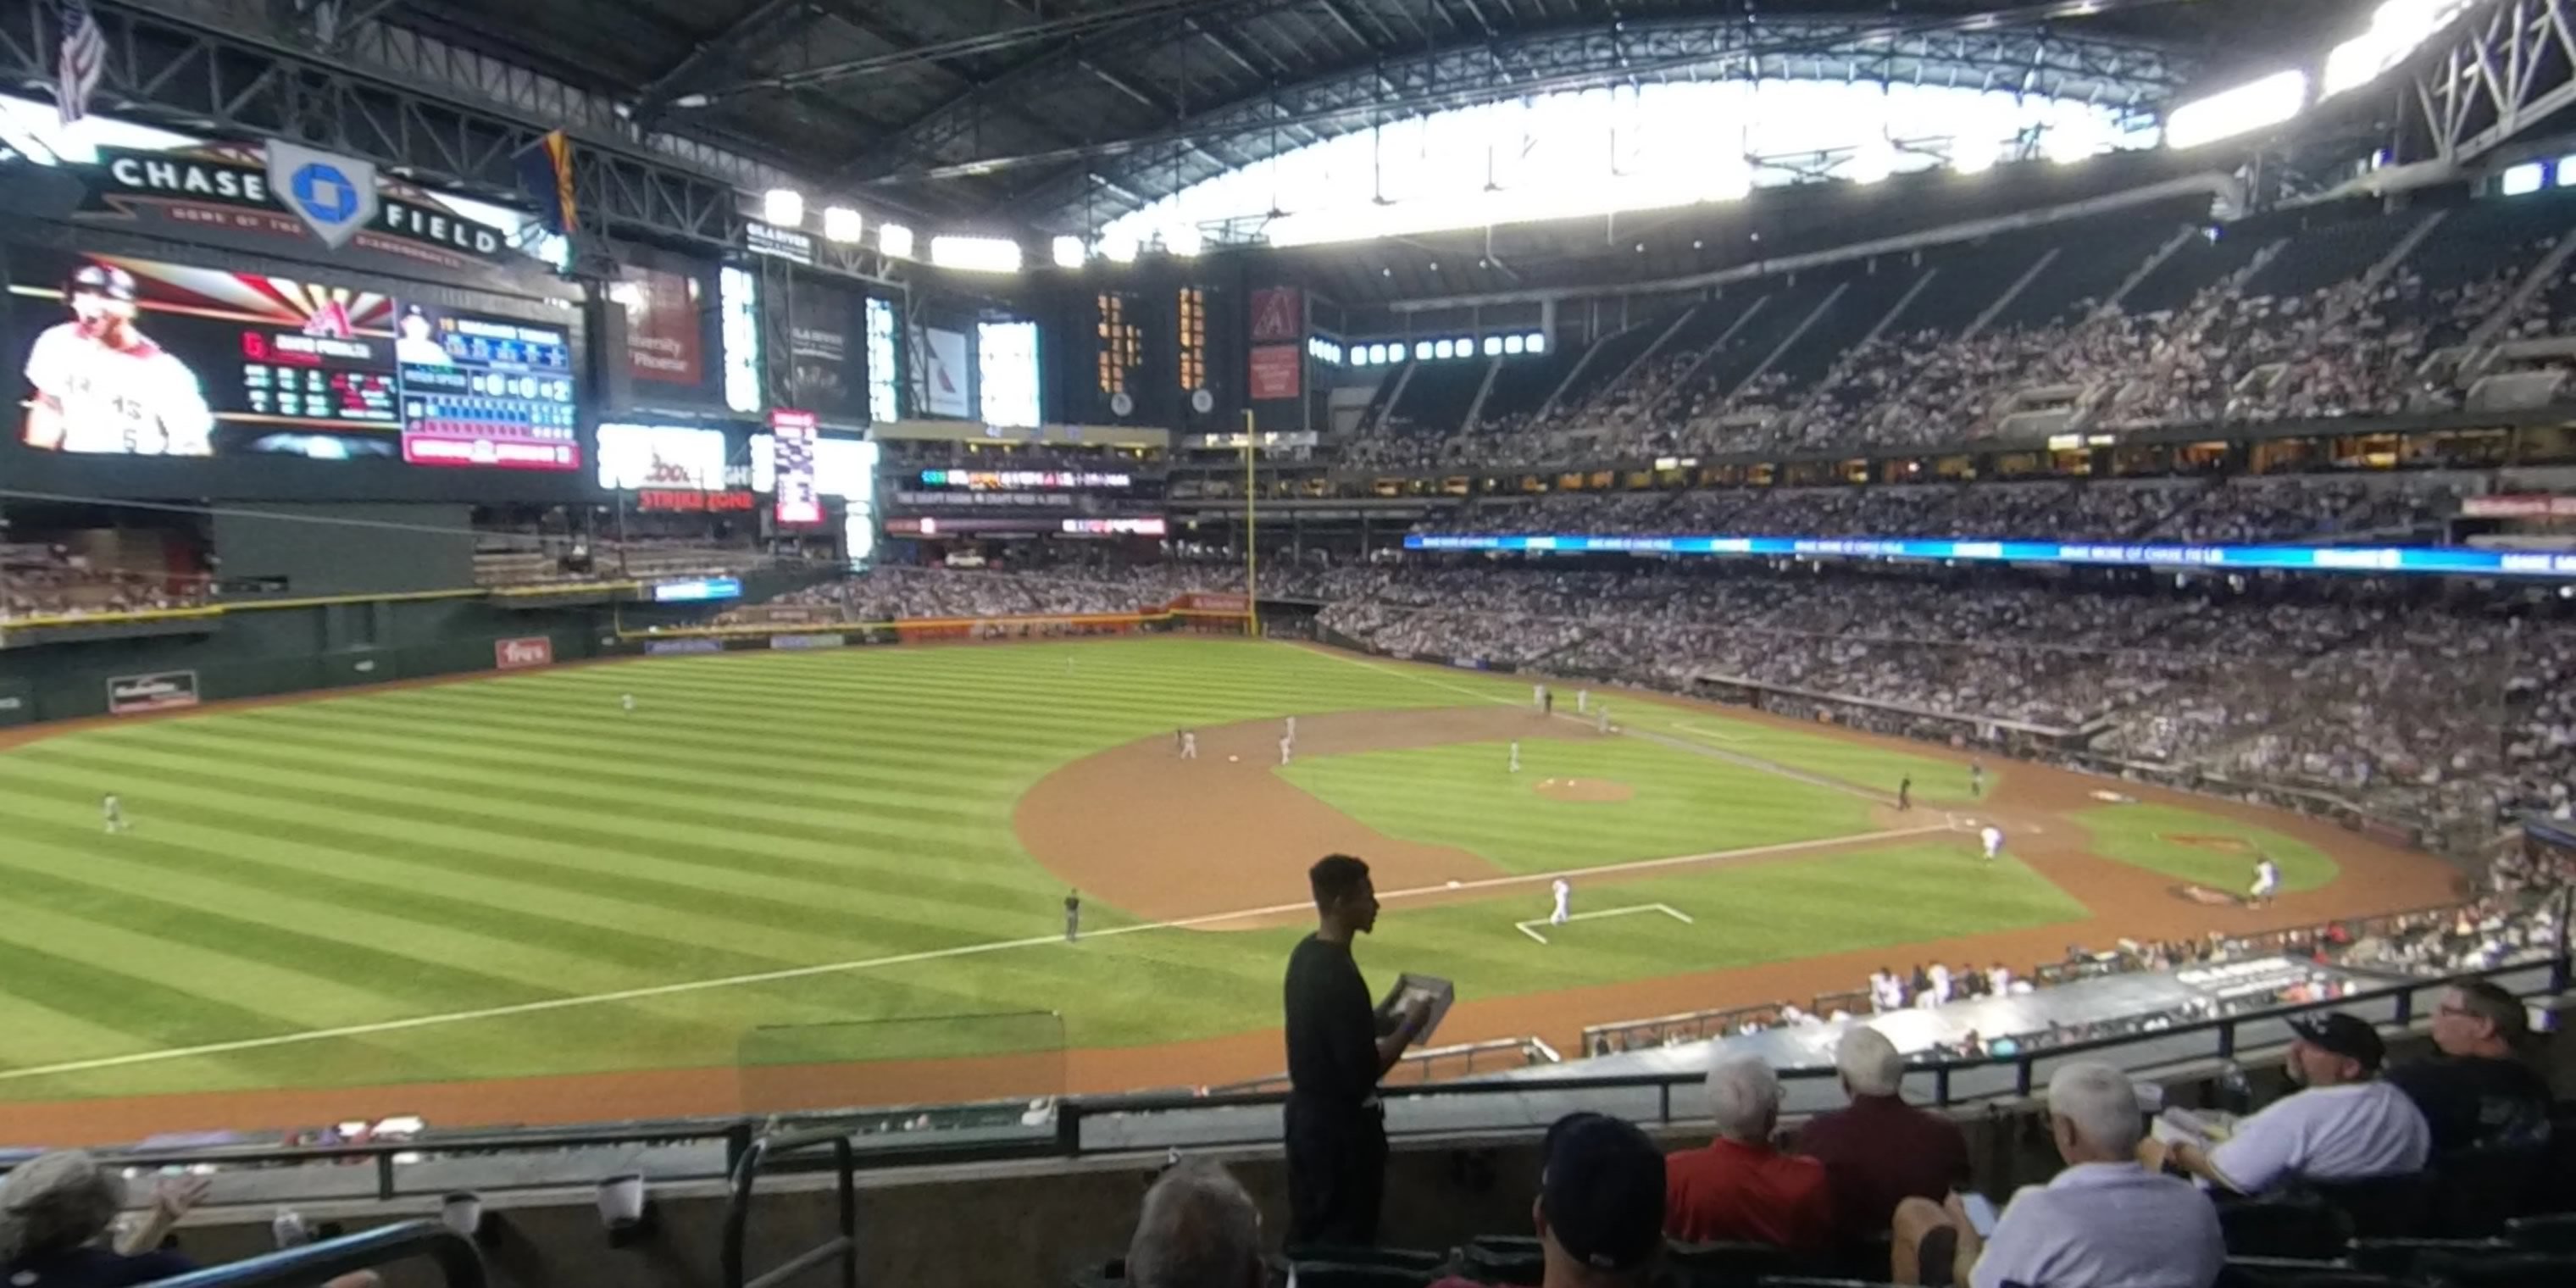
17	702
1277	371
797	643
523	654
665	335
816	350
290	200
2518	507
792	436
943	373
129	695
1203	602
634	457
682	648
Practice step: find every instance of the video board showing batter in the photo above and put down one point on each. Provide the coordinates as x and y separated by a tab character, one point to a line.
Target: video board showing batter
119	356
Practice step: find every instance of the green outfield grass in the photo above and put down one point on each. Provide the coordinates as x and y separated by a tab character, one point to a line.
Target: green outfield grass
2178	843
1466	795
516	842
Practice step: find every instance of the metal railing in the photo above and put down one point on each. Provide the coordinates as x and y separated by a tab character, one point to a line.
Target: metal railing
1952	1083
1431	1063
459	1265
842	1247
1657	1030
2217	1039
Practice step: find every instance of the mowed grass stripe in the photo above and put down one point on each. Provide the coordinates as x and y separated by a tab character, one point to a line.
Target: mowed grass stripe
619	934
422	962
605	875
700	866
837	833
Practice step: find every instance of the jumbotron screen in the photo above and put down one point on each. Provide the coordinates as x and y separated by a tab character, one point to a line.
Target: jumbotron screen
132	357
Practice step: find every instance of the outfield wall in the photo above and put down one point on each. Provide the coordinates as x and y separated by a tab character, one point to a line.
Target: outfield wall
68	674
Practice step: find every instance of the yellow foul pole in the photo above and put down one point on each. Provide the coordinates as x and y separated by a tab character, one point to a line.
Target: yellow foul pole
1251	537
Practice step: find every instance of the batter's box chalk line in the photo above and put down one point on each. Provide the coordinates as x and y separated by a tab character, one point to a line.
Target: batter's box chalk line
1530	928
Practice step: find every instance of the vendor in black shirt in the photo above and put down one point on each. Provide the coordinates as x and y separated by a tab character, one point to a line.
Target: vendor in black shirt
2478	1092
1338	1047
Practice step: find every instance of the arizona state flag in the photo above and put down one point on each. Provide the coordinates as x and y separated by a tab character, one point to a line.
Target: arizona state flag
545	173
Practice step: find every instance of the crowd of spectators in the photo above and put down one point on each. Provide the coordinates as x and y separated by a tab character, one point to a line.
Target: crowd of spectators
45	580
2230	354
2249	511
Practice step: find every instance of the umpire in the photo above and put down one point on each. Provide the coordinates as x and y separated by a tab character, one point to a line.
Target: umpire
1338	1047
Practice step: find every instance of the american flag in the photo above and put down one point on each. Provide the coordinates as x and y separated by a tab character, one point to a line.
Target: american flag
84	60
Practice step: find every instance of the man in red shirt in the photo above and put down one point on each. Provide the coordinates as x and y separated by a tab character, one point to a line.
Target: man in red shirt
1880	1151
1740	1189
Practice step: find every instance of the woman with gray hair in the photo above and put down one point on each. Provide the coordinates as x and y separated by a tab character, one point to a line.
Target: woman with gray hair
55	1207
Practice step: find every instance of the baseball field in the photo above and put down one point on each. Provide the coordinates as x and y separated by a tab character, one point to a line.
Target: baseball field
512	899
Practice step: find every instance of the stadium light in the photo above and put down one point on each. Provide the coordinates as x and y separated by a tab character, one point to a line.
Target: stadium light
842	224
2521	180
976	254
2567	172
895	240
1068	252
2244	109
1972	156
1872	161
784	207
1493	346
1422	351
1184	240
1512	346
1442	349
2397	28
1118	248
1536	342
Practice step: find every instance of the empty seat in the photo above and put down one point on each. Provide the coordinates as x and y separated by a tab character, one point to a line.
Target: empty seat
2300	1226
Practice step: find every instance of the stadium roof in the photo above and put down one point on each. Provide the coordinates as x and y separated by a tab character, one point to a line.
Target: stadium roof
1057	115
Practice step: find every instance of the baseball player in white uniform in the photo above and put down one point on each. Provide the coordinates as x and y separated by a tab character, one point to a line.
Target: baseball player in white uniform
626	701
1601	717
1582	701
112	809
1287	750
1564	895
102	386
2267	880
1538	696
1940	977
1189	744
1292	728
1516	755
1993	836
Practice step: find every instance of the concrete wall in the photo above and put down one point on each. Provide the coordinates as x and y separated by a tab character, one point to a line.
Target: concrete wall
1021	1225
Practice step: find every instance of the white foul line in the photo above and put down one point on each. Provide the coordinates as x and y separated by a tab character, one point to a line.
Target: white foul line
899	959
1529	927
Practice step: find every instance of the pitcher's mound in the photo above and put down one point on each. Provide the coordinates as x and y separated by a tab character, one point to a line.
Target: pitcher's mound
1584	789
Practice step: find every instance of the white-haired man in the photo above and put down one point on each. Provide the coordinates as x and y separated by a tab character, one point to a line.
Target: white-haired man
1880	1151
1740	1189
1198	1230
2104	1222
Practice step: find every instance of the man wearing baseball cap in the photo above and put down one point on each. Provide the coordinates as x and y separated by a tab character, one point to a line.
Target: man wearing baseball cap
2347	1125
1600	1209
99	385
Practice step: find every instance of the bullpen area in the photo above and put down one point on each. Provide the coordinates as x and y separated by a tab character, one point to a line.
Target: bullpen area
784	880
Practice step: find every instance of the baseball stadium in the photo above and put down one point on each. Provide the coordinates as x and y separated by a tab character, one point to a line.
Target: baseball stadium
1492	642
